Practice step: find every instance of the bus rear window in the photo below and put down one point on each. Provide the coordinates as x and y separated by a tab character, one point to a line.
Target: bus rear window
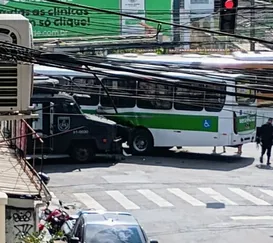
242	100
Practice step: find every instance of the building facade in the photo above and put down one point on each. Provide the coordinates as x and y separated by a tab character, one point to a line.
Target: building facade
20	182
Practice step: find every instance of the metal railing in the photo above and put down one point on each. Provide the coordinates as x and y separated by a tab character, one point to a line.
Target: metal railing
18	134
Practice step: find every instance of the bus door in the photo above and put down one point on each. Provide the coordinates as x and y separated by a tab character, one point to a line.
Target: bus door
43	127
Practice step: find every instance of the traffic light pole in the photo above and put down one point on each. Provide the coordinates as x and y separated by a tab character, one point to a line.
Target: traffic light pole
252	25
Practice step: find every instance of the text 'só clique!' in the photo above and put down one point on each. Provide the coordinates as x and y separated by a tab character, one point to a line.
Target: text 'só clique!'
62	21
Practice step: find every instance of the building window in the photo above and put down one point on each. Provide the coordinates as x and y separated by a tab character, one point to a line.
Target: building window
199	1
182	4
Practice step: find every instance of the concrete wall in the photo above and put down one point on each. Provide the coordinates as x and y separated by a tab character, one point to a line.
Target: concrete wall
20	219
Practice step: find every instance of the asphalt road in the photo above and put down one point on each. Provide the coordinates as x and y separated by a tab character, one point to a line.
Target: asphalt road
178	197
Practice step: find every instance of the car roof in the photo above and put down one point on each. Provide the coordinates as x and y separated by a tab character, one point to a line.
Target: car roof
111	218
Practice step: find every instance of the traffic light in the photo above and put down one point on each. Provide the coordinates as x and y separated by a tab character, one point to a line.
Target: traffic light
228	13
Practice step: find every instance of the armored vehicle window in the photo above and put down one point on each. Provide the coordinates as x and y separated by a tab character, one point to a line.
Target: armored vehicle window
66	107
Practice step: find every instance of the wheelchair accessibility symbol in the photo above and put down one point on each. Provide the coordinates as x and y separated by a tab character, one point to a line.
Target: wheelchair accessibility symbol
207	124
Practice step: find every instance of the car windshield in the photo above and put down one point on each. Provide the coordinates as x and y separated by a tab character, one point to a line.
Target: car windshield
113	234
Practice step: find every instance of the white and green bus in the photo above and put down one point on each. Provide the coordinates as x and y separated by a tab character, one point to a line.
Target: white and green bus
165	116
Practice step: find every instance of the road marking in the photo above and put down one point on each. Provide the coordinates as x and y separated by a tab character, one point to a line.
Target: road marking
122	200
150	195
186	197
88	201
268	192
249	197
252	217
217	196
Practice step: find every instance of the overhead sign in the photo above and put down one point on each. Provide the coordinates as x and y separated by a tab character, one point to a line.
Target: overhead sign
60	20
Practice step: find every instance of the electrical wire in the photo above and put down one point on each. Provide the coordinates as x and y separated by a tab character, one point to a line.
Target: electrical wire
115	13
161	22
141	72
150	81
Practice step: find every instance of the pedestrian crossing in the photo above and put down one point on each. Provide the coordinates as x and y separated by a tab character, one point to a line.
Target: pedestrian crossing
122	200
217	196
248	196
137	199
186	197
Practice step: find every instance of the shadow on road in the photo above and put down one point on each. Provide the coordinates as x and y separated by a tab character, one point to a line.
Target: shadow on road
68	165
197	161
159	157
264	167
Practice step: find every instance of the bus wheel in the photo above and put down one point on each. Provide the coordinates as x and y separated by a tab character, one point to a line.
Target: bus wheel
82	154
142	142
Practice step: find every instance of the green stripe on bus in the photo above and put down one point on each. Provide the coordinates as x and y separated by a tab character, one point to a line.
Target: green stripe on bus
166	121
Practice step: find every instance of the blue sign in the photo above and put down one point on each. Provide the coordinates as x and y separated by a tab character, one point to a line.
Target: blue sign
207	123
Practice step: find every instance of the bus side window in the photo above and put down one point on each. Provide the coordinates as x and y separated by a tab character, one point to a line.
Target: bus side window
214	101
189	99
122	92
154	96
88	85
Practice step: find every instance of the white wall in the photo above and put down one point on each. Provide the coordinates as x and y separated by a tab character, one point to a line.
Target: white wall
3	202
20	218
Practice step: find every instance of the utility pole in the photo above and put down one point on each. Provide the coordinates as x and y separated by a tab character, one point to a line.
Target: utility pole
252	25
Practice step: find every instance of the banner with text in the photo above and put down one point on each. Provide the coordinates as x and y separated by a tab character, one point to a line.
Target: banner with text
132	25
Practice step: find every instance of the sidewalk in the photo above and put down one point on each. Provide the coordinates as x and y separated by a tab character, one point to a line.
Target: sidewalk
248	150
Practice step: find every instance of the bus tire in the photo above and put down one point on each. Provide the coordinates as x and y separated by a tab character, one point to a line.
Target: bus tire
81	153
141	142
